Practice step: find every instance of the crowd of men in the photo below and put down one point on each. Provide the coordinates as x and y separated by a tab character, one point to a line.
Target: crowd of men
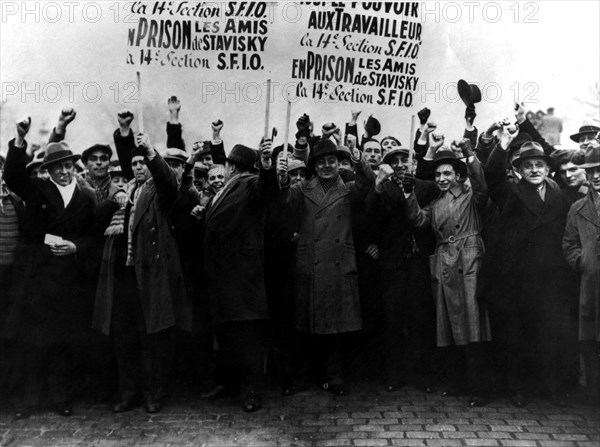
469	267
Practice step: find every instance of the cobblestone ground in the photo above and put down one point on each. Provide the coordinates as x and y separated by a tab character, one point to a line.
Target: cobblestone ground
365	417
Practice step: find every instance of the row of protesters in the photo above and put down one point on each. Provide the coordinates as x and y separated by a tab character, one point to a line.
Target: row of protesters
338	217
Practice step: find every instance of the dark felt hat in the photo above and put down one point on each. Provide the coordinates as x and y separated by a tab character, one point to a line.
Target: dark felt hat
520	139
323	148
387	158
96	147
442	157
469	93
56	152
529	150
243	155
591	158
585	130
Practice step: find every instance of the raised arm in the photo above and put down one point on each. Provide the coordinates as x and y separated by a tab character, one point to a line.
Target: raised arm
15	173
124	142
174	130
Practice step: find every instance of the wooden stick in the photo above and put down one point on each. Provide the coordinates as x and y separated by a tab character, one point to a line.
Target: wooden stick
411	140
288	113
267	109
140	107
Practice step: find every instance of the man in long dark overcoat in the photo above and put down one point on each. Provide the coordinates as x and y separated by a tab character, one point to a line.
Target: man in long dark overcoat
49	314
524	277
234	266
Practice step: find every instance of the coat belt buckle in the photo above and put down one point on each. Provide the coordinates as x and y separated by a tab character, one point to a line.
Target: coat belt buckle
452	239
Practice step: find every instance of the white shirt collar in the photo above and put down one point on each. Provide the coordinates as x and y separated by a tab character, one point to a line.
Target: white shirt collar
66	192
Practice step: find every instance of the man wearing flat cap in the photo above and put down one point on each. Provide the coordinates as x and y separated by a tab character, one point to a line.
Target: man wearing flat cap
49	315
96	160
581	247
234	239
524	277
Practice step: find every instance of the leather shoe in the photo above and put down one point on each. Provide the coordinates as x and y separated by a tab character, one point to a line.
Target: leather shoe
21	413
63	410
123	406
478	400
152	406
252	402
217	392
337	390
518	399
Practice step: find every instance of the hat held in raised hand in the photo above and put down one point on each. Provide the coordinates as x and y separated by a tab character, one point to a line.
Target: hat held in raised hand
469	93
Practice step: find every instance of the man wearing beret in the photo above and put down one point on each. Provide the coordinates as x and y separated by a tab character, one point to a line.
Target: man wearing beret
234	233
524	277
49	315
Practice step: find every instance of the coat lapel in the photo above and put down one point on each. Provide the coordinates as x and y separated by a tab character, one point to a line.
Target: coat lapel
335	193
50	192
234	183
144	201
314	191
73	208
530	197
588	211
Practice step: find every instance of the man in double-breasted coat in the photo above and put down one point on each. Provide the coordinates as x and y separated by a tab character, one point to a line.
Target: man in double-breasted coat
524	277
49	310
581	247
327	302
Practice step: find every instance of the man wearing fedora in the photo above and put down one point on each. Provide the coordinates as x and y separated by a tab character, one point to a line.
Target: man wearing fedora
525	279
326	301
49	316
586	137
408	309
581	247
234	239
462	322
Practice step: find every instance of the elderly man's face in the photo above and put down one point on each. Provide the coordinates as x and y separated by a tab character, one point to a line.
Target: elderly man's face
586	141
327	167
373	153
62	172
446	177
97	164
593	176
297	175
534	171
572	175
140	170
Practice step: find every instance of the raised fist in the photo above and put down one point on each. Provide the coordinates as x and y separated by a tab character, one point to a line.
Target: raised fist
66	116
174	104
23	127
520	112
436	140
216	125
424	115
430	128
303	122
125	117
282	164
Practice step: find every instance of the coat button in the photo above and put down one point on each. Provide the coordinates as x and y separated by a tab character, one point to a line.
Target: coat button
316	262
153	243
153	230
157	256
456	226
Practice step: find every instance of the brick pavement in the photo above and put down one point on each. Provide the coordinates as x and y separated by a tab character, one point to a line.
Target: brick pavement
367	416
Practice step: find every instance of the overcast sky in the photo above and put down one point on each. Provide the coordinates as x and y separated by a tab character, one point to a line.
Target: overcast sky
553	60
